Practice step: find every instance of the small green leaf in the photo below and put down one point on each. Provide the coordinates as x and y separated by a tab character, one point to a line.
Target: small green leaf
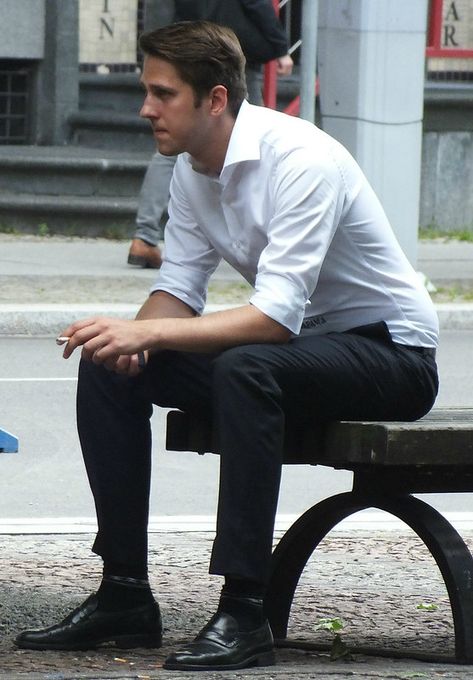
428	607
332	625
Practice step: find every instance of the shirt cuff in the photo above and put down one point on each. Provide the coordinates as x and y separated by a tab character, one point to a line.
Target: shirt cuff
281	300
188	285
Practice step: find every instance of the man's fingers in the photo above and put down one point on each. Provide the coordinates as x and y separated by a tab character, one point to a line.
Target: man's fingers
110	363
78	334
93	337
104	340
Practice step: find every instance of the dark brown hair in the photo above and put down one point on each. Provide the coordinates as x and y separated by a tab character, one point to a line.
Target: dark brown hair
204	55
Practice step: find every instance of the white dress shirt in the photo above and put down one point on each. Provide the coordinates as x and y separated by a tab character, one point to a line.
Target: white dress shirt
294	214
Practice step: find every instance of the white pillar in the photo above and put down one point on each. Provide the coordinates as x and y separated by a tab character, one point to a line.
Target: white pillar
371	66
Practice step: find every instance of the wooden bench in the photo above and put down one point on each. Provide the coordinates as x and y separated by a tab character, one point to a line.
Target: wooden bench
390	462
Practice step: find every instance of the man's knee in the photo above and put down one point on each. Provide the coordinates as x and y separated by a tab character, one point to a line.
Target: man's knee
95	374
101	388
243	365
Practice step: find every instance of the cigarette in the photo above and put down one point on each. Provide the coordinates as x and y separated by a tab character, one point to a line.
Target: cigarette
62	339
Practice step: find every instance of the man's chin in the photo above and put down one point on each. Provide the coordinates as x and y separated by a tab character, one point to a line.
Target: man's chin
164	150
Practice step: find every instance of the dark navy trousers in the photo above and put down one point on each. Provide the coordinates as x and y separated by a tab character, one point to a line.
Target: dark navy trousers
249	393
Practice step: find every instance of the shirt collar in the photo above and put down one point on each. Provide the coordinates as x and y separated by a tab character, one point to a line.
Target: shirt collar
244	141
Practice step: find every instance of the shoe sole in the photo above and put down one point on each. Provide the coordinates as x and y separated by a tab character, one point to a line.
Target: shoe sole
137	260
122	642
263	659
140	261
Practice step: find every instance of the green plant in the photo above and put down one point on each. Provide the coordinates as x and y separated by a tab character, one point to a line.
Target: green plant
433	231
454	293
6	229
43	229
427	606
334	625
116	232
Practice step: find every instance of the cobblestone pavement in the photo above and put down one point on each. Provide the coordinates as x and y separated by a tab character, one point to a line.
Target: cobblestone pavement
374	581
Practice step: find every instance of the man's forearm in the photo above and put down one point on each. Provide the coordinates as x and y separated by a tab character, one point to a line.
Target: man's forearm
167	323
216	331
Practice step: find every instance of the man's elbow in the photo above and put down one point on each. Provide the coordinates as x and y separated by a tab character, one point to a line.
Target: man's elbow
270	330
279	333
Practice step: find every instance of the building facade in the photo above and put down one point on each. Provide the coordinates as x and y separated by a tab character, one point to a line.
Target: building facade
68	75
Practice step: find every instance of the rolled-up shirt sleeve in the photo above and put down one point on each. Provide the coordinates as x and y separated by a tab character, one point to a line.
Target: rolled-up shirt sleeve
190	259
308	200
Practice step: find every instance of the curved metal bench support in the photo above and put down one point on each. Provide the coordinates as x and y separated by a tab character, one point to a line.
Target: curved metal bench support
444	543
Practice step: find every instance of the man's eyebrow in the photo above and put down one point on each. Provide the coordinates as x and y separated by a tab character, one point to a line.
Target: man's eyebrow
157	90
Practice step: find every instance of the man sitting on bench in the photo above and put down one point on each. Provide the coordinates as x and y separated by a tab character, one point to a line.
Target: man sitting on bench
338	327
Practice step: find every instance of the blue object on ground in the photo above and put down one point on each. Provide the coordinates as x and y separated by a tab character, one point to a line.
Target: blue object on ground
8	442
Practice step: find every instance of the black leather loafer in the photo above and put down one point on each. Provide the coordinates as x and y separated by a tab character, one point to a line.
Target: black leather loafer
87	627
220	645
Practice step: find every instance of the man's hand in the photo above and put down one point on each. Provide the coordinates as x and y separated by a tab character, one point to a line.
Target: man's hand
284	65
115	343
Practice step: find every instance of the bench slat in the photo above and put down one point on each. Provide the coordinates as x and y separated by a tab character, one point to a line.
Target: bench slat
399	444
443	438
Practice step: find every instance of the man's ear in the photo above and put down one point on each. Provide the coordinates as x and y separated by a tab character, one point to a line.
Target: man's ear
218	100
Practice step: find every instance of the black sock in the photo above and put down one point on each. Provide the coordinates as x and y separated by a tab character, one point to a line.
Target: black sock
137	571
242	587
243	599
123	587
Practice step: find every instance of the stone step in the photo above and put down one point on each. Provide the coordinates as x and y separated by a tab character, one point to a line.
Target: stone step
70	190
44	214
71	171
103	129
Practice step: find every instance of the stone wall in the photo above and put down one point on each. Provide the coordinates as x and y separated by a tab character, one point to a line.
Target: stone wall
447	180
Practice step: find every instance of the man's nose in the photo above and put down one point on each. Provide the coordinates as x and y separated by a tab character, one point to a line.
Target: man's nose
147	110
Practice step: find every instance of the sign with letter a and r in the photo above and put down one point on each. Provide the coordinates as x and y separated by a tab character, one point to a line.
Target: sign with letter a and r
457	25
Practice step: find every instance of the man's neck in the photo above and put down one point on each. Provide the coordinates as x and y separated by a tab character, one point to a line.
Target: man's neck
210	158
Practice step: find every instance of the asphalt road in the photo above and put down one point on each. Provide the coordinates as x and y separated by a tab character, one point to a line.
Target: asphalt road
46	479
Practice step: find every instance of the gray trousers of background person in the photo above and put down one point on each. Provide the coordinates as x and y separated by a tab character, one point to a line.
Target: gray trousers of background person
154	193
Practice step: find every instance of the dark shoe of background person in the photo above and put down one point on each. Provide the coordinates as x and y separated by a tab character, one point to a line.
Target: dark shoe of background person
220	645
143	254
87	627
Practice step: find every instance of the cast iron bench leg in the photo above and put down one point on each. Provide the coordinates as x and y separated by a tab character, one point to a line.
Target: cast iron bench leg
444	543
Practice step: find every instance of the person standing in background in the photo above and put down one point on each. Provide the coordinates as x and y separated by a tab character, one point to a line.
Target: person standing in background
262	39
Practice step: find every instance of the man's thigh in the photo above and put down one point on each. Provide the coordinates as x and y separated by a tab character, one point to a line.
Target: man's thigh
346	376
325	377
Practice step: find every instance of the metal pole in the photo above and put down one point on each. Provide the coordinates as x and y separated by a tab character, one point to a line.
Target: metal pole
310	9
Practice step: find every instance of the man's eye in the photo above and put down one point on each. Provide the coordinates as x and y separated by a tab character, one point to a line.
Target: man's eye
161	94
